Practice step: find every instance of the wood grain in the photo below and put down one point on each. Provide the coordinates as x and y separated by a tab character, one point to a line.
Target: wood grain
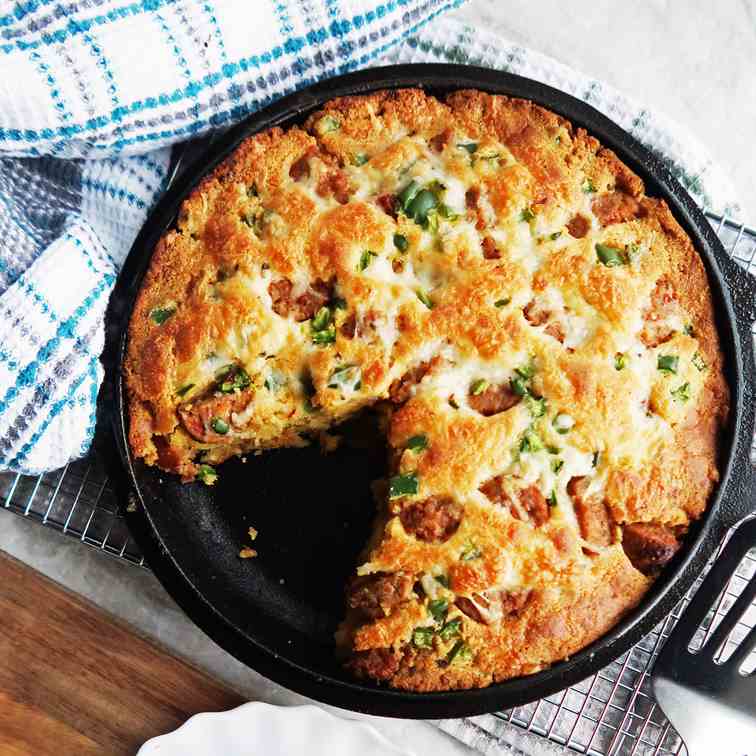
74	680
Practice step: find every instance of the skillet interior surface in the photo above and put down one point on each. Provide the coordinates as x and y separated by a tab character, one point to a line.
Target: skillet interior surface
278	612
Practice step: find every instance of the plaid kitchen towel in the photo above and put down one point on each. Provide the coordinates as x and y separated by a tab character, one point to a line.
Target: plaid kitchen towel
93	93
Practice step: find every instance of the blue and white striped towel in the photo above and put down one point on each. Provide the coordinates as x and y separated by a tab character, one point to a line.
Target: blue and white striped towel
92	94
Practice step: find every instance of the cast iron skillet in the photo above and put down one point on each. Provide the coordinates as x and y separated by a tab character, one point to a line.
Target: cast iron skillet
277	613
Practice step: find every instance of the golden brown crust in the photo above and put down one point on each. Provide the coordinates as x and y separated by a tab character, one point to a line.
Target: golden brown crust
555	624
544	330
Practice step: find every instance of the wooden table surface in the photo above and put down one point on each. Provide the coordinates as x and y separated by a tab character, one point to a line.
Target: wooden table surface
74	680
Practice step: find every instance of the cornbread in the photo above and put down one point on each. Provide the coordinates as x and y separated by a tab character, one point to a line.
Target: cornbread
539	334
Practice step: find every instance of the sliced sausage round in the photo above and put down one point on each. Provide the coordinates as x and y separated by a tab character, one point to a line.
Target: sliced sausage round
434	519
534	315
578	226
494	399
440	141
387	203
199	417
376	595
485	609
307	305
280	294
648	546
615	207
401	389
591	512
534	504
471	609
663	304
490	250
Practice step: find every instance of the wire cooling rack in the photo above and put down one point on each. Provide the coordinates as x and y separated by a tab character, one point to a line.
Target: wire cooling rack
610	713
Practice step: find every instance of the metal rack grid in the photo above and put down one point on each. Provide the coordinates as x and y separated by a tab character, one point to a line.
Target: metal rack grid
76	500
612	712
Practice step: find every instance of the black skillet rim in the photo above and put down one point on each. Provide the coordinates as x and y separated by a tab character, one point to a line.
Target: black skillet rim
729	504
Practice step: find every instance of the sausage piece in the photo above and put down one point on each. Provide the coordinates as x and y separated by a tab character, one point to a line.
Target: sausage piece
472	202
376	595
472	195
591	512
663	304
531	503
490	251
534	315
493	400
485	609
401	389
534	504
537	317
495	491
615	207
335	183
197	416
578	226
440	141
648	546
341	187
471	609
349	326
577	486
434	519
280	293
376	664
301	168
307	304
387	203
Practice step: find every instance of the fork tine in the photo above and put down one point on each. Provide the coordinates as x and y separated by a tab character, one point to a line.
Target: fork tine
737	610
740	654
705	597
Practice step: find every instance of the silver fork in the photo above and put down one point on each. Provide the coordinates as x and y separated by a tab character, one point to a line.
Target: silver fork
712	705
